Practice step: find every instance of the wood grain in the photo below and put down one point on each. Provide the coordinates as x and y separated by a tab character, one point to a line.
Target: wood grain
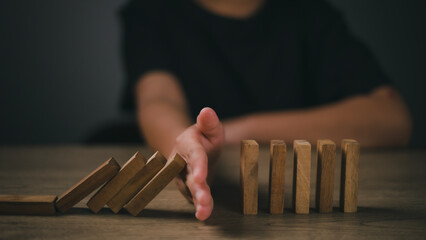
392	185
326	157
249	156
301	176
142	177
278	151
124	176
172	169
349	176
27	204
87	185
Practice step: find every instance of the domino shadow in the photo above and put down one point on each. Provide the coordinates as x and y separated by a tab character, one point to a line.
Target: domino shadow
227	216
146	213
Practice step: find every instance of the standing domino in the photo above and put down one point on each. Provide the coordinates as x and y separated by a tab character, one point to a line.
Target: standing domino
326	155
249	176
277	176
301	176
349	176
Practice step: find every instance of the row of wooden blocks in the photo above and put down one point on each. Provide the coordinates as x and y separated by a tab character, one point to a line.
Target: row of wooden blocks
326	154
131	187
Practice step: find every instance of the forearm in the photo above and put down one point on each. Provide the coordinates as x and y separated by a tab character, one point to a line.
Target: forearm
161	110
375	120
161	123
165	123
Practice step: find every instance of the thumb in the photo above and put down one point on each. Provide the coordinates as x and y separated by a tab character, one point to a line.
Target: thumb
209	124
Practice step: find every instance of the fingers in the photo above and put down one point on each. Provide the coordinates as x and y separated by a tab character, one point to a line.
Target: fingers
204	206
203	200
184	189
196	182
195	144
193	152
209	124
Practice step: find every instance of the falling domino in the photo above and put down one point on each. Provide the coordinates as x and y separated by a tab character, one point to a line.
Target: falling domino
249	176
87	185
349	175
124	176
326	155
27	204
172	169
301	176
277	176
154	164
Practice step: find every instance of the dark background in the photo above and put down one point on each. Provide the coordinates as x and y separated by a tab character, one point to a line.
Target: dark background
61	76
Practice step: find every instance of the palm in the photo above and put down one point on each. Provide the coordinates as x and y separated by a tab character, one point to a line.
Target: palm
200	145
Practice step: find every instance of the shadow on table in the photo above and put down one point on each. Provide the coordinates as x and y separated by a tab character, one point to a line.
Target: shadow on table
227	213
227	216
146	213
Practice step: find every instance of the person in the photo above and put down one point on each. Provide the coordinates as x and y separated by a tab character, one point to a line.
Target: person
270	69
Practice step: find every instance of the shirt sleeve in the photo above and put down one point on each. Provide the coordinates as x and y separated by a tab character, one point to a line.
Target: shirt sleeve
339	64
144	43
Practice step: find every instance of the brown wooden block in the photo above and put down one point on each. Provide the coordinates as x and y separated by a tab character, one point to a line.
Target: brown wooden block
326	156
87	185
27	204
278	152
349	175
172	169
249	176
142	177
301	176
124	176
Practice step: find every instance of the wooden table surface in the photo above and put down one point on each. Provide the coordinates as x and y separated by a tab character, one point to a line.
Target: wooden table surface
392	199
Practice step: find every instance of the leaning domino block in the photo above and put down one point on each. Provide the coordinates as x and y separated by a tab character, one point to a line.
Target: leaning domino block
301	176
27	204
142	177
124	176
349	176
172	169
326	155
249	176
87	185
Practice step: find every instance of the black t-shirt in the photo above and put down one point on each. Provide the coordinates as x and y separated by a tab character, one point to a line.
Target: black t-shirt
289	54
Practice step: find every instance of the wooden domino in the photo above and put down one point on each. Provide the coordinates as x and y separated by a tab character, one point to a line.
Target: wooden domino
87	185
124	176
142	177
249	176
301	176
326	155
172	169
27	204
139	181
277	176
349	175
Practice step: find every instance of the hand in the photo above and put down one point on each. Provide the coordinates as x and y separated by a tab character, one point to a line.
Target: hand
200	145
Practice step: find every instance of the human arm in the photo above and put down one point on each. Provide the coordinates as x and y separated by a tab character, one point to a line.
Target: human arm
161	107
165	123
351	95
161	110
377	119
